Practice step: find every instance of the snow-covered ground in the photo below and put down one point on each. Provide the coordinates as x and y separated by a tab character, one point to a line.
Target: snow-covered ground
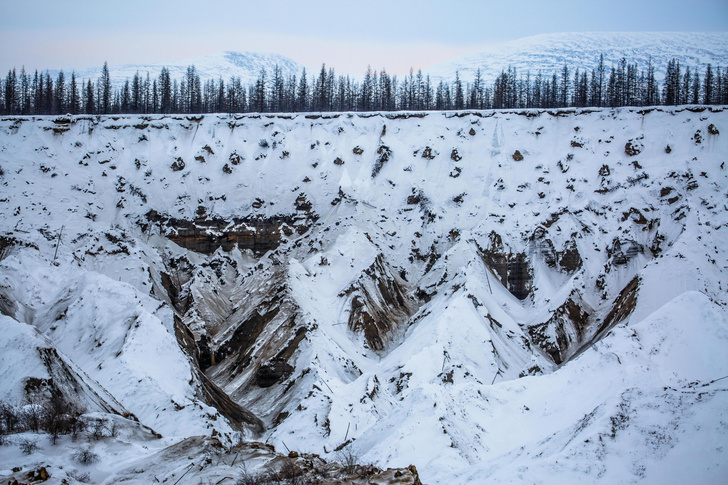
494	297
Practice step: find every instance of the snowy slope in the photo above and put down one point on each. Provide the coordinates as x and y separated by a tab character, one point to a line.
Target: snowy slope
494	297
547	53
243	65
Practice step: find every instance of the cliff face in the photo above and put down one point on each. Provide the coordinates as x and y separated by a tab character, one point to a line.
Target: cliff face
207	235
412	287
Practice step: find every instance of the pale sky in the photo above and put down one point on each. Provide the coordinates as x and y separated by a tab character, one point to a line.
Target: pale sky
346	35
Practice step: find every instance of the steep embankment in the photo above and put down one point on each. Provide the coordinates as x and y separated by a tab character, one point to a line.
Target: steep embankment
516	296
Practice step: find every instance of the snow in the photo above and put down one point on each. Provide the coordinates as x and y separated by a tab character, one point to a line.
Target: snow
104	327
462	389
243	65
548	53
19	342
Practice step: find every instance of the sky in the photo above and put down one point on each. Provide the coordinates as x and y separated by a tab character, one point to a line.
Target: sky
346	35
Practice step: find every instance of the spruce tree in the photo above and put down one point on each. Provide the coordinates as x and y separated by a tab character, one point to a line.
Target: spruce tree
565	81
89	104
73	95
708	85
105	86
302	95
11	103
459	96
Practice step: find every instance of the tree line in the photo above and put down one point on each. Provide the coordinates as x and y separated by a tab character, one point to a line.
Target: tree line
622	84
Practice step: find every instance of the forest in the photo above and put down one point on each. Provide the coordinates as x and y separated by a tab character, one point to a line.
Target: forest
622	84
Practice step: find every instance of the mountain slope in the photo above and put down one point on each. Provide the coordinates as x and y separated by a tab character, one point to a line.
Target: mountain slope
548	53
511	296
243	65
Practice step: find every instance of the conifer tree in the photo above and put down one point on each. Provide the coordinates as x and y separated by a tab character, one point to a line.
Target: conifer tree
105	86
73	103
459	96
89	104
565	81
685	87
11	101
708	85
302	95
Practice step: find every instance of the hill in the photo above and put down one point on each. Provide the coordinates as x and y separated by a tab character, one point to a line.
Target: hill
244	65
548	53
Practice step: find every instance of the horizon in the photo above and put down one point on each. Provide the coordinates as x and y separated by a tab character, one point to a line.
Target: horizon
41	34
195	61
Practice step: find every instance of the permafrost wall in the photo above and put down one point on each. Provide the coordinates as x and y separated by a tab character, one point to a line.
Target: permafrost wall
380	283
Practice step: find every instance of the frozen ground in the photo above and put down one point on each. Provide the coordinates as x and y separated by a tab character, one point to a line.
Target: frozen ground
493	297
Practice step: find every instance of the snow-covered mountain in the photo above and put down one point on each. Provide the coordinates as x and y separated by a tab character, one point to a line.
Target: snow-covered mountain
244	65
493	297
548	53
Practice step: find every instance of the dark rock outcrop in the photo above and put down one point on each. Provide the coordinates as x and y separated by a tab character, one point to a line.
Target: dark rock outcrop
513	269
563	333
209	392
271	372
567	260
379	302
206	235
623	251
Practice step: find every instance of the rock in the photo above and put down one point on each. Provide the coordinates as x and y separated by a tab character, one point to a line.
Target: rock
698	137
302	203
379	303
235	158
570	259
633	148
415	475
712	129
178	164
517	156
205	235
513	269
384	153
414	199
622	251
272	372
562	334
